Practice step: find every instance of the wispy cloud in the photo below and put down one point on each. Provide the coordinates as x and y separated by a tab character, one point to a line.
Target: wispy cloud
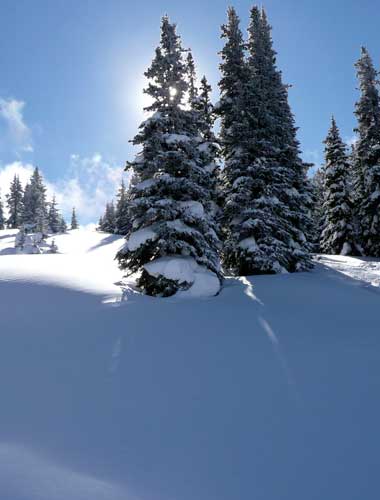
19	134
89	184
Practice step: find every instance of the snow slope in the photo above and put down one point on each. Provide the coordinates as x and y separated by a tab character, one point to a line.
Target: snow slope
269	391
85	262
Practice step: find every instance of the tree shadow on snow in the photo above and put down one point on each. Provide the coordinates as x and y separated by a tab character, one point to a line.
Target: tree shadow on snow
347	279
105	241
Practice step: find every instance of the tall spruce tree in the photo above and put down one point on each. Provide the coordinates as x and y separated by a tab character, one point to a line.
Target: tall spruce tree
231	106
337	211
170	190
2	218
74	221
234	179
122	220
15	203
35	210
191	75
267	200
367	156
54	217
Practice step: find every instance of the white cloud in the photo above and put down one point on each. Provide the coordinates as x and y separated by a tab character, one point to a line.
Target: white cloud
89	184
11	111
23	170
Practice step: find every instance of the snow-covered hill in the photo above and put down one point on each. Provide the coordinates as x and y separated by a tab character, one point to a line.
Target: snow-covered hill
269	391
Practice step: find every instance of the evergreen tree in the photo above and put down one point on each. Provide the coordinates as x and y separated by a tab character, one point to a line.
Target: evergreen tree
231	107
108	221
267	201
170	190
2	218
74	220
35	212
191	75
15	203
122	220
338	233
54	218
367	156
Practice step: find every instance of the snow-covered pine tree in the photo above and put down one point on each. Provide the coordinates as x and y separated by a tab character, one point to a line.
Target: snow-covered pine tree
15	203
231	106
299	197
74	221
367	156
267	200
2	217
337	211
191	75
172	229
54	218
234	180
108	221
34	204
122	220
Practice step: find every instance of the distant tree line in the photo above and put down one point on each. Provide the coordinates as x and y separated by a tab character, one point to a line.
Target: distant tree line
28	208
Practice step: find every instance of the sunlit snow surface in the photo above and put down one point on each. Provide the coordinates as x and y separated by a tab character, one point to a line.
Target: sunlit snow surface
85	262
268	391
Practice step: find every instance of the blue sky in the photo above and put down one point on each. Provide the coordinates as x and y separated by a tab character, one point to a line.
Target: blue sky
71	78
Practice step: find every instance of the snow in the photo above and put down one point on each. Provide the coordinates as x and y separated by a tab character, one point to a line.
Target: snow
146	184
174	138
138	238
249	244
180	226
204	283
269	390
346	249
33	243
194	208
365	270
81	263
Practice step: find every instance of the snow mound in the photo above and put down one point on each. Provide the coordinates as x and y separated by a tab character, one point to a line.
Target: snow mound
194	208
249	244
204	283
139	237
33	243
